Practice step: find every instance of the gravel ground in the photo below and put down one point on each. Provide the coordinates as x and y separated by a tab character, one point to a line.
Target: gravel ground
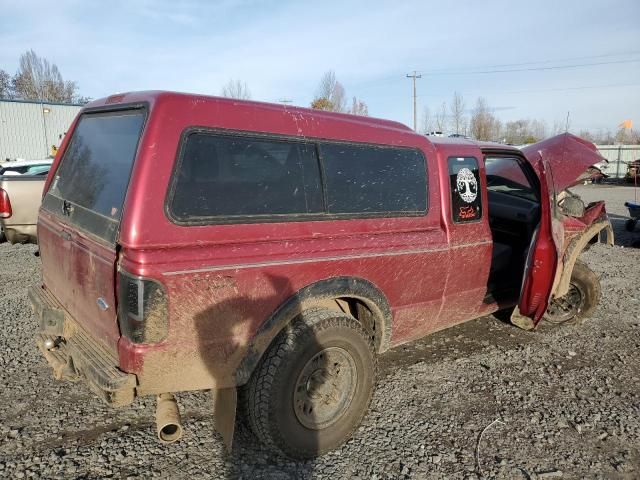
554	403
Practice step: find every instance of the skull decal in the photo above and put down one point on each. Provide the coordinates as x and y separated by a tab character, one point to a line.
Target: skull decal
467	185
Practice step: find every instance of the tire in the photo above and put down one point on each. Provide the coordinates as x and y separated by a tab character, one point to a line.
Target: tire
630	225
581	300
313	386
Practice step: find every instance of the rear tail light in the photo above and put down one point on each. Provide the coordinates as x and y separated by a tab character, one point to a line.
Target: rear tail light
5	204
142	309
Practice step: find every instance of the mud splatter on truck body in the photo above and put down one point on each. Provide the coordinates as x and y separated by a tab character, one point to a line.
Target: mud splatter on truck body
191	240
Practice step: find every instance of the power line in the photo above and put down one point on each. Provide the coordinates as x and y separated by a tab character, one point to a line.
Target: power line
505	92
587	87
566	89
489	69
558	60
532	69
414	76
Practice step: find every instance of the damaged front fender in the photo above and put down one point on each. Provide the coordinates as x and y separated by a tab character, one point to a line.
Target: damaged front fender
578	244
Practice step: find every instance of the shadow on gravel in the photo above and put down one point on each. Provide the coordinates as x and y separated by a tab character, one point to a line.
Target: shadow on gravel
223	330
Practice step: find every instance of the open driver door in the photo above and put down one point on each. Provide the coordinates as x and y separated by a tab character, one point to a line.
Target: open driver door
544	252
559	162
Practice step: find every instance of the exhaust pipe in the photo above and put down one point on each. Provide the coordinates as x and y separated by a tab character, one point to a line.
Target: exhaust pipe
168	424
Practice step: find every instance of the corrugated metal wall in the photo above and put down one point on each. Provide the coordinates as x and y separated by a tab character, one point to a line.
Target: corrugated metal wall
618	156
29	129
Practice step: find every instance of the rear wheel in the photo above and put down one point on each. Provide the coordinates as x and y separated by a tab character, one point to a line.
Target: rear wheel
581	299
313	386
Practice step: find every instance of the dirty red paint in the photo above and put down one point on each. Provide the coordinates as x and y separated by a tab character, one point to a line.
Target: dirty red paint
223	281
568	157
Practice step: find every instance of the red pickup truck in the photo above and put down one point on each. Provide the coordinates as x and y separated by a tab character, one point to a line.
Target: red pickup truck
193	242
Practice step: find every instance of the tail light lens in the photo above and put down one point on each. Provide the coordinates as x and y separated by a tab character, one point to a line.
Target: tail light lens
5	204
142	309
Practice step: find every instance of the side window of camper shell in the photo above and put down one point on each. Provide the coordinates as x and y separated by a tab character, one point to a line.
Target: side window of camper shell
240	178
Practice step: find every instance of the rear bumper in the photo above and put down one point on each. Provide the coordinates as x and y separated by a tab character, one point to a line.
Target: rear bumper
75	354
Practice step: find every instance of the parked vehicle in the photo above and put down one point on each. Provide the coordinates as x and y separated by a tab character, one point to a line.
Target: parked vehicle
20	198
634	213
193	242
26	167
633	172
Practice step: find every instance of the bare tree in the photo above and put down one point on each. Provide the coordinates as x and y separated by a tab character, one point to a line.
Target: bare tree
458	121
427	121
517	132
331	94
484	125
588	135
625	136
5	85
38	79
327	85
339	98
358	107
441	118
559	127
236	89
538	129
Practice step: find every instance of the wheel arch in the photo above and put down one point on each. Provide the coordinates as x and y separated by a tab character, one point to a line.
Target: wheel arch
352	295
579	244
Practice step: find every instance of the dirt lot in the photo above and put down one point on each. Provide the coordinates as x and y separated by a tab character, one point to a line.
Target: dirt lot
553	403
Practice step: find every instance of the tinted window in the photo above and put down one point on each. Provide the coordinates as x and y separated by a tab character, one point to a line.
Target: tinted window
505	175
38	170
368	179
230	176
466	195
95	170
16	170
28	169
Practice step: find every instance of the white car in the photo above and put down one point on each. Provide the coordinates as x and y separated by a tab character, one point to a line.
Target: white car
26	167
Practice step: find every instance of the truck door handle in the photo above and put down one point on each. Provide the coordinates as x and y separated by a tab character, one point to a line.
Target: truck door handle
67	208
66	235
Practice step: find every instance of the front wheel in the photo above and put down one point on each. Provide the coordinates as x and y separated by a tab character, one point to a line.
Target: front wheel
581	299
313	386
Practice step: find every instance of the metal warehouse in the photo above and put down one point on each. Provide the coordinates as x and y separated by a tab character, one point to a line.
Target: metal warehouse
31	129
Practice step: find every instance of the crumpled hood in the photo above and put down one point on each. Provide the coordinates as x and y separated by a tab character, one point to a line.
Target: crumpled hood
568	156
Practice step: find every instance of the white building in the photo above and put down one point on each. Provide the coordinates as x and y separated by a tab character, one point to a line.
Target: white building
29	129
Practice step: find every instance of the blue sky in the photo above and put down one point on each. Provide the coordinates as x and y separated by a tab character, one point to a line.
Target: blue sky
281	49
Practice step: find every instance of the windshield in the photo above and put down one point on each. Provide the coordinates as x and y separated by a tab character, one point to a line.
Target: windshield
505	175
90	185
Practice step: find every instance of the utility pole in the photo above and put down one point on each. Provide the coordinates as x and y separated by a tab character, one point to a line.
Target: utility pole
414	75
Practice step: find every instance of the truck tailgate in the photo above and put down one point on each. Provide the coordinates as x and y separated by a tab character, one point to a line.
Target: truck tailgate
83	282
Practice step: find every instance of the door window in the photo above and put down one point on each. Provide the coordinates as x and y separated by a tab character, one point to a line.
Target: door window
466	194
505	175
